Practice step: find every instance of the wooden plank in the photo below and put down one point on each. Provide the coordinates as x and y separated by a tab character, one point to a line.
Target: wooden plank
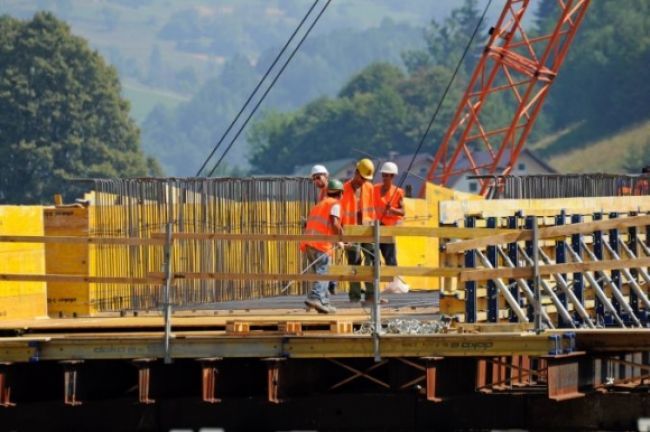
549	233
79	240
79	278
389	271
545	270
308	277
424	231
275	237
454	211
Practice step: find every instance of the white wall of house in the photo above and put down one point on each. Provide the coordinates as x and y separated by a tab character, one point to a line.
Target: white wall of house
526	165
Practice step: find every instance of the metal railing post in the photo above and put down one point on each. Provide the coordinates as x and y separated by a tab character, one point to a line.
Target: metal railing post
166	291
376	314
536	281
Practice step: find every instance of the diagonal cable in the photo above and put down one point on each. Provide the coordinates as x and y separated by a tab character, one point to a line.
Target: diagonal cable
266	92
257	87
444	95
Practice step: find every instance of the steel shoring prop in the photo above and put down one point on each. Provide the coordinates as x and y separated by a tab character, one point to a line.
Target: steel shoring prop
521	314
631	280
564	286
642	271
645	248
596	286
528	292
554	298
617	293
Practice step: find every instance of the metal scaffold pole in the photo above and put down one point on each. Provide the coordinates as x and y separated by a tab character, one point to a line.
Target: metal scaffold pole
536	278
166	293
376	315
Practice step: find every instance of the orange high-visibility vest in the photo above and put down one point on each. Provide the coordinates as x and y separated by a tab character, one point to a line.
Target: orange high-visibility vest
395	196
318	223
349	204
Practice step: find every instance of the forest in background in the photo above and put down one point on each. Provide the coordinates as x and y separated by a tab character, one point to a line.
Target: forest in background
366	80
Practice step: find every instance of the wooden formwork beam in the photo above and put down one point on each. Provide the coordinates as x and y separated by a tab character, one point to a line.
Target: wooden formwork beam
546	270
548	233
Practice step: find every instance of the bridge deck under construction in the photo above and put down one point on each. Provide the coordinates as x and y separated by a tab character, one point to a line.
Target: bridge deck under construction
281	327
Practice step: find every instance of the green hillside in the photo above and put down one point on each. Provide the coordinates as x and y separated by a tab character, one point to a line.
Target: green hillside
623	152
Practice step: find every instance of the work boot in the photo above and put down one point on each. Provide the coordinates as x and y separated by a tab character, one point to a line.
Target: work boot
319	306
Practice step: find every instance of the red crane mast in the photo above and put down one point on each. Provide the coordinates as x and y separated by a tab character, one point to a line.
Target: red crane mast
515	66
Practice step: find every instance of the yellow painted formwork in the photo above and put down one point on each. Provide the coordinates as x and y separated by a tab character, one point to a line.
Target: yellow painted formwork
194	256
424	251
264	217
68	298
22	299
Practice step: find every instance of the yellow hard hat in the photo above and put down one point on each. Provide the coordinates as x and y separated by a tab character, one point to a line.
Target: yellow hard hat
366	168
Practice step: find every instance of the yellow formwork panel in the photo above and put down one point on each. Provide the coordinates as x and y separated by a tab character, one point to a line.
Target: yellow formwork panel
424	251
65	298
22	299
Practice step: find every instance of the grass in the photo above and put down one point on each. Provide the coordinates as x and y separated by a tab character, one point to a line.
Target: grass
608	154
143	99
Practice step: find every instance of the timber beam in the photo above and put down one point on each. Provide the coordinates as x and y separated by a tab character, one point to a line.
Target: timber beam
196	345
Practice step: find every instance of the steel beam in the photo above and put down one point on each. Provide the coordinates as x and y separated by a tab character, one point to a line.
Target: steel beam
563	376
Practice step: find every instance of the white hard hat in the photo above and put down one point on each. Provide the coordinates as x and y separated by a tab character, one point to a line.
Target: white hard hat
389	168
319	169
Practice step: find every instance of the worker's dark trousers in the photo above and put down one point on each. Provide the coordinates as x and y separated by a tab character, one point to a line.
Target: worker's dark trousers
389	252
360	254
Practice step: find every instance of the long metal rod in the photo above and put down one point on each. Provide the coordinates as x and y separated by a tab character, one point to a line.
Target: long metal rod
528	292
631	280
642	271
541	283
617	292
167	300
536	278
564	286
504	290
599	291
376	313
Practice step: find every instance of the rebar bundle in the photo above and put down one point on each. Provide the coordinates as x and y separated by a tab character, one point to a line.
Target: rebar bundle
566	186
141	208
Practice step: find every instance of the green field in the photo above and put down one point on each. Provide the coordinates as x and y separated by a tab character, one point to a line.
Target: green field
608	154
143	99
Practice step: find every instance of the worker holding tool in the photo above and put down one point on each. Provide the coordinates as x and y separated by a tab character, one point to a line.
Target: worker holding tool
389	207
358	208
324	219
320	177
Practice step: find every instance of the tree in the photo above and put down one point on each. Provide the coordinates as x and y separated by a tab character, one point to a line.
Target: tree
61	113
603	82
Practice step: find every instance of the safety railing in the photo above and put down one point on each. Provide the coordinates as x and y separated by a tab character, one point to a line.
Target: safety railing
590	282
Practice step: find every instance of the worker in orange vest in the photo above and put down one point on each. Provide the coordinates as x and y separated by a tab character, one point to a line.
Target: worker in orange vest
320	177
358	208
389	207
324	219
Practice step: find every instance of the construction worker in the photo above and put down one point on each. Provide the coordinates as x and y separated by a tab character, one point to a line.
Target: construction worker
324	219
389	207
358	208
320	177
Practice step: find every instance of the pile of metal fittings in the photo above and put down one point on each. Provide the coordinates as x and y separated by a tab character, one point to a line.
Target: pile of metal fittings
407	326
